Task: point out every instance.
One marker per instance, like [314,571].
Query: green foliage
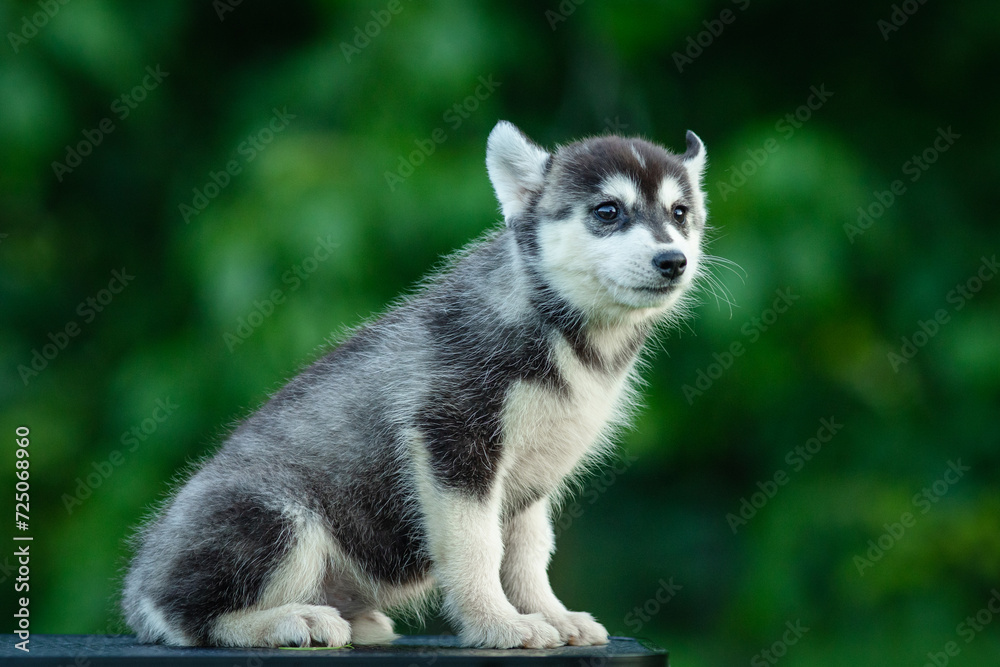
[308,229]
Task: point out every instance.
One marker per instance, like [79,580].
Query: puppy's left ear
[517,168]
[694,157]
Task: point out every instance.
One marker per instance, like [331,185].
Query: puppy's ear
[694,157]
[517,168]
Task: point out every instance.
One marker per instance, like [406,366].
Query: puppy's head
[612,225]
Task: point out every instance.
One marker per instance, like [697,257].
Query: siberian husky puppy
[427,450]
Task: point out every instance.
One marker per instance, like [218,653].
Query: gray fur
[333,452]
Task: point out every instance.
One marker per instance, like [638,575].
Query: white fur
[549,435]
[372,627]
[529,546]
[286,625]
[300,576]
[696,169]
[466,545]
[622,188]
[605,276]
[669,193]
[286,613]
[642,160]
[493,573]
[157,626]
[516,167]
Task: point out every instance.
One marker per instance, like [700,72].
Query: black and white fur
[428,449]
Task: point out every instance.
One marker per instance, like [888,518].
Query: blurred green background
[115,116]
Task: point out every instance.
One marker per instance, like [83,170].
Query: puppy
[427,450]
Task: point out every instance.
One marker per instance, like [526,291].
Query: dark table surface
[411,651]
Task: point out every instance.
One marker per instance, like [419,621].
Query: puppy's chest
[548,430]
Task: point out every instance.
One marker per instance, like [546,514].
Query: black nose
[670,263]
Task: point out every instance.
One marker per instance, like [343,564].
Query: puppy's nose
[670,263]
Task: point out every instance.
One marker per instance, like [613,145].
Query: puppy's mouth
[658,289]
[661,287]
[655,291]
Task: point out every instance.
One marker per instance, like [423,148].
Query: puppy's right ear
[517,168]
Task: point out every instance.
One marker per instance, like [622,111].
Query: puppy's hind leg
[351,593]
[287,625]
[289,611]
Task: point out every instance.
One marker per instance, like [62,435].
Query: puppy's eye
[680,213]
[607,212]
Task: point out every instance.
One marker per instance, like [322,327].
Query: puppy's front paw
[578,628]
[521,631]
